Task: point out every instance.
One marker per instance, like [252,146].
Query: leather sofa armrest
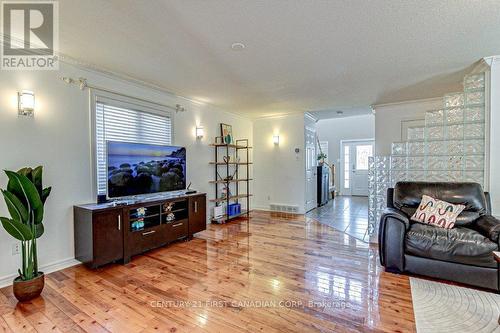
[396,215]
[392,232]
[488,226]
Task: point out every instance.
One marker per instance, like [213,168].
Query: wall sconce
[200,132]
[276,139]
[26,103]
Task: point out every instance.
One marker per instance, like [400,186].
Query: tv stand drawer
[147,239]
[177,229]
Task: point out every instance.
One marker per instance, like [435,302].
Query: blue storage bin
[234,209]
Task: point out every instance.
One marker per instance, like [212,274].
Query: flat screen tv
[135,168]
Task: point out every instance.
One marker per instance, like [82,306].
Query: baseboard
[261,208]
[267,209]
[49,268]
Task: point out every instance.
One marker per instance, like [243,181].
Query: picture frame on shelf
[226,132]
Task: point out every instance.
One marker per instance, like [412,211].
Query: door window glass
[362,154]
[347,168]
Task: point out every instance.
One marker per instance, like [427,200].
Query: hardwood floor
[277,273]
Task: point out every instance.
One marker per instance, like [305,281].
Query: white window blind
[122,123]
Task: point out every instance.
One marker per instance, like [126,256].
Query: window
[362,154]
[347,168]
[119,121]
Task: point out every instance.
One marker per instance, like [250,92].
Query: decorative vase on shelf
[227,139]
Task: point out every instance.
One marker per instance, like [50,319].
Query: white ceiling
[300,55]
[341,112]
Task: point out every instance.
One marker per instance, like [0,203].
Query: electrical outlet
[16,249]
[268,197]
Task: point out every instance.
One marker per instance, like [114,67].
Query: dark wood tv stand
[106,233]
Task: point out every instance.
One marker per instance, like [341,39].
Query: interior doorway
[310,159]
[354,166]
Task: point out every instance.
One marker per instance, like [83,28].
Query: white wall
[388,120]
[279,172]
[348,128]
[59,139]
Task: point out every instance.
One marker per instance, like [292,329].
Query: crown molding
[411,101]
[34,52]
[85,66]
[310,116]
[122,77]
[89,67]
[489,61]
[281,115]
[481,66]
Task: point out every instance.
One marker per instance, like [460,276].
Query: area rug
[441,308]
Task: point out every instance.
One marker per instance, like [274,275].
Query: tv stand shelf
[106,233]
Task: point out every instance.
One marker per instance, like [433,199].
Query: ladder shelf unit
[232,170]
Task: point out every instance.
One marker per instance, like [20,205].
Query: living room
[162,163]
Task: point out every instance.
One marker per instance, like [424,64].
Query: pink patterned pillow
[437,212]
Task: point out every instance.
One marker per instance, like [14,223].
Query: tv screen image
[135,168]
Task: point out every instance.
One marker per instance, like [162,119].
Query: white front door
[311,183]
[355,156]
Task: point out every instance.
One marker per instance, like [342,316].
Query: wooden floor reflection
[275,273]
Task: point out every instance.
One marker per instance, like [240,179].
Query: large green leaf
[16,208]
[16,229]
[45,194]
[22,187]
[39,230]
[36,175]
[26,172]
[38,212]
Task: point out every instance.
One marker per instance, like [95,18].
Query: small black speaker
[102,199]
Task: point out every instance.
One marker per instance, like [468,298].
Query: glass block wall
[449,147]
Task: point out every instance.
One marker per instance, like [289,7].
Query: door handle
[196,206]
[119,222]
[148,233]
[177,225]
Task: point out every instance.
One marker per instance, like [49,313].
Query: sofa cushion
[437,212]
[407,197]
[460,245]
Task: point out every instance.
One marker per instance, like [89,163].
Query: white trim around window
[121,104]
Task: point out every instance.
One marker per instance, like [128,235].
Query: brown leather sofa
[462,254]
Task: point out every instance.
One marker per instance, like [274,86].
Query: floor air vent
[284,208]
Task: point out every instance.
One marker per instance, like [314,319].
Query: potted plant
[321,158]
[25,198]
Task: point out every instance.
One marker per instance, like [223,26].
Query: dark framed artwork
[226,131]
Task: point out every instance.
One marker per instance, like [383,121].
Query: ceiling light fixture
[238,46]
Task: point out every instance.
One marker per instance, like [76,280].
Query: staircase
[450,147]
